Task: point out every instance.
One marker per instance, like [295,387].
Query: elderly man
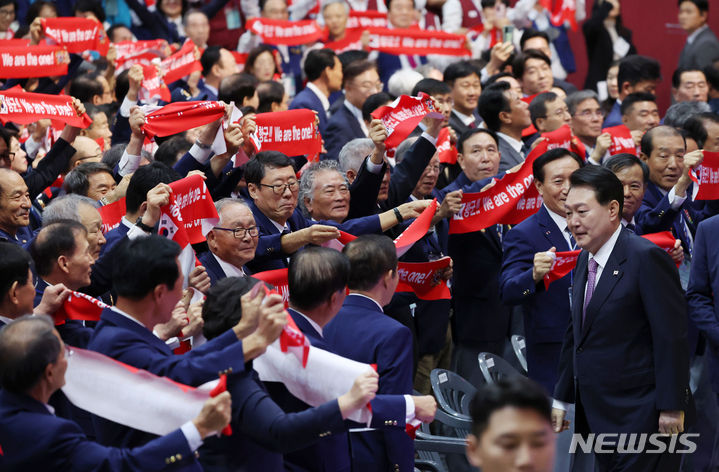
[232,242]
[274,189]
[33,364]
[80,209]
[91,179]
[586,124]
[15,208]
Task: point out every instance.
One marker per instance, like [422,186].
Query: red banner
[196,207]
[81,307]
[504,203]
[33,61]
[153,87]
[567,261]
[352,41]
[366,19]
[278,279]
[563,11]
[708,176]
[423,279]
[183,62]
[414,41]
[156,47]
[289,33]
[446,151]
[23,108]
[180,116]
[416,230]
[13,42]
[292,132]
[77,34]
[112,215]
[622,140]
[403,115]
[563,138]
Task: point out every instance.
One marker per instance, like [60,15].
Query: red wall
[656,33]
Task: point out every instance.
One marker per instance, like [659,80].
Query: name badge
[232,17]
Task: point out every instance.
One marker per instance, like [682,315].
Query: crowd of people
[625,343]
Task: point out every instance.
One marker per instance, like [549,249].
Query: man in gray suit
[505,113]
[702,46]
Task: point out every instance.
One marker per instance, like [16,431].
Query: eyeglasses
[7,12]
[279,189]
[240,233]
[368,85]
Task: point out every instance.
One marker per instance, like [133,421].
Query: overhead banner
[292,132]
[18,106]
[77,34]
[286,32]
[415,41]
[19,62]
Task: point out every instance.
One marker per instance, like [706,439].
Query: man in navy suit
[401,15]
[217,63]
[147,298]
[636,74]
[32,367]
[625,359]
[232,242]
[359,80]
[361,331]
[324,77]
[526,262]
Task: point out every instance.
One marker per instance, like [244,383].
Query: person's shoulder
[709,224]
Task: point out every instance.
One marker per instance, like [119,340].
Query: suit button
[179,457]
[197,454]
[526,292]
[270,250]
[394,423]
[167,460]
[580,349]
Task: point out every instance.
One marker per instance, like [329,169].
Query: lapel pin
[616,272]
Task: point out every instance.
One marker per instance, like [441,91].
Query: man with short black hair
[549,112]
[90,179]
[505,113]
[689,85]
[702,46]
[640,112]
[466,85]
[217,63]
[33,363]
[514,410]
[324,77]
[533,69]
[636,74]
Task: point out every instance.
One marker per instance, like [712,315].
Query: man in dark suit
[636,74]
[324,77]
[702,46]
[359,80]
[401,15]
[15,208]
[147,298]
[217,63]
[527,261]
[232,242]
[464,80]
[505,113]
[33,438]
[361,331]
[634,379]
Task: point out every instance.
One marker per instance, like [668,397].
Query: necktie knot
[631,227]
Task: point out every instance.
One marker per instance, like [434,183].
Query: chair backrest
[453,393]
[495,368]
[520,350]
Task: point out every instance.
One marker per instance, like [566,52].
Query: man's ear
[540,124]
[159,291]
[96,99]
[253,191]
[472,450]
[62,263]
[211,239]
[460,160]
[308,204]
[12,293]
[351,175]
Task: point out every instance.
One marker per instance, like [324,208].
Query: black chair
[520,350]
[453,393]
[495,368]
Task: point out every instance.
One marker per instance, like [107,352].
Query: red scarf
[112,215]
[79,306]
[403,115]
[446,151]
[77,34]
[289,33]
[182,63]
[708,176]
[197,210]
[181,116]
[622,140]
[18,106]
[414,41]
[291,132]
[423,279]
[19,62]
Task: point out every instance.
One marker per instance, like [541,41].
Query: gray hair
[403,147]
[576,98]
[65,207]
[354,152]
[327,3]
[223,202]
[679,113]
[403,81]
[308,180]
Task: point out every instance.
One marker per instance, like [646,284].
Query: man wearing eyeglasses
[232,242]
[586,124]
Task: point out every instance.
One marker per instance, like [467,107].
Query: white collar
[279,227]
[120,312]
[49,408]
[127,222]
[6,320]
[466,119]
[559,220]
[320,95]
[357,113]
[516,145]
[368,298]
[602,255]
[312,322]
[625,222]
[229,269]
[210,88]
[693,36]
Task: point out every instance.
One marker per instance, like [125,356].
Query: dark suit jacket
[113,237]
[508,156]
[127,341]
[213,268]
[702,52]
[546,312]
[361,331]
[703,289]
[308,99]
[342,128]
[34,439]
[614,117]
[458,126]
[629,359]
[388,64]
[52,165]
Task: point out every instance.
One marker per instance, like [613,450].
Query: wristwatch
[398,215]
[143,226]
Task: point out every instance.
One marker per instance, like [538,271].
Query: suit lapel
[611,275]
[551,231]
[110,316]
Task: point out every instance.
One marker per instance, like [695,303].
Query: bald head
[27,346]
[658,132]
[86,150]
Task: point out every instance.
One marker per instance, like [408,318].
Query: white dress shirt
[357,113]
[561,222]
[229,269]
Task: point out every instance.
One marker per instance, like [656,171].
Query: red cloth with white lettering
[403,115]
[181,116]
[195,204]
[423,279]
[446,151]
[183,62]
[18,62]
[77,34]
[416,230]
[563,138]
[622,140]
[365,19]
[289,33]
[23,108]
[708,176]
[79,306]
[112,215]
[153,86]
[292,132]
[562,11]
[415,41]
